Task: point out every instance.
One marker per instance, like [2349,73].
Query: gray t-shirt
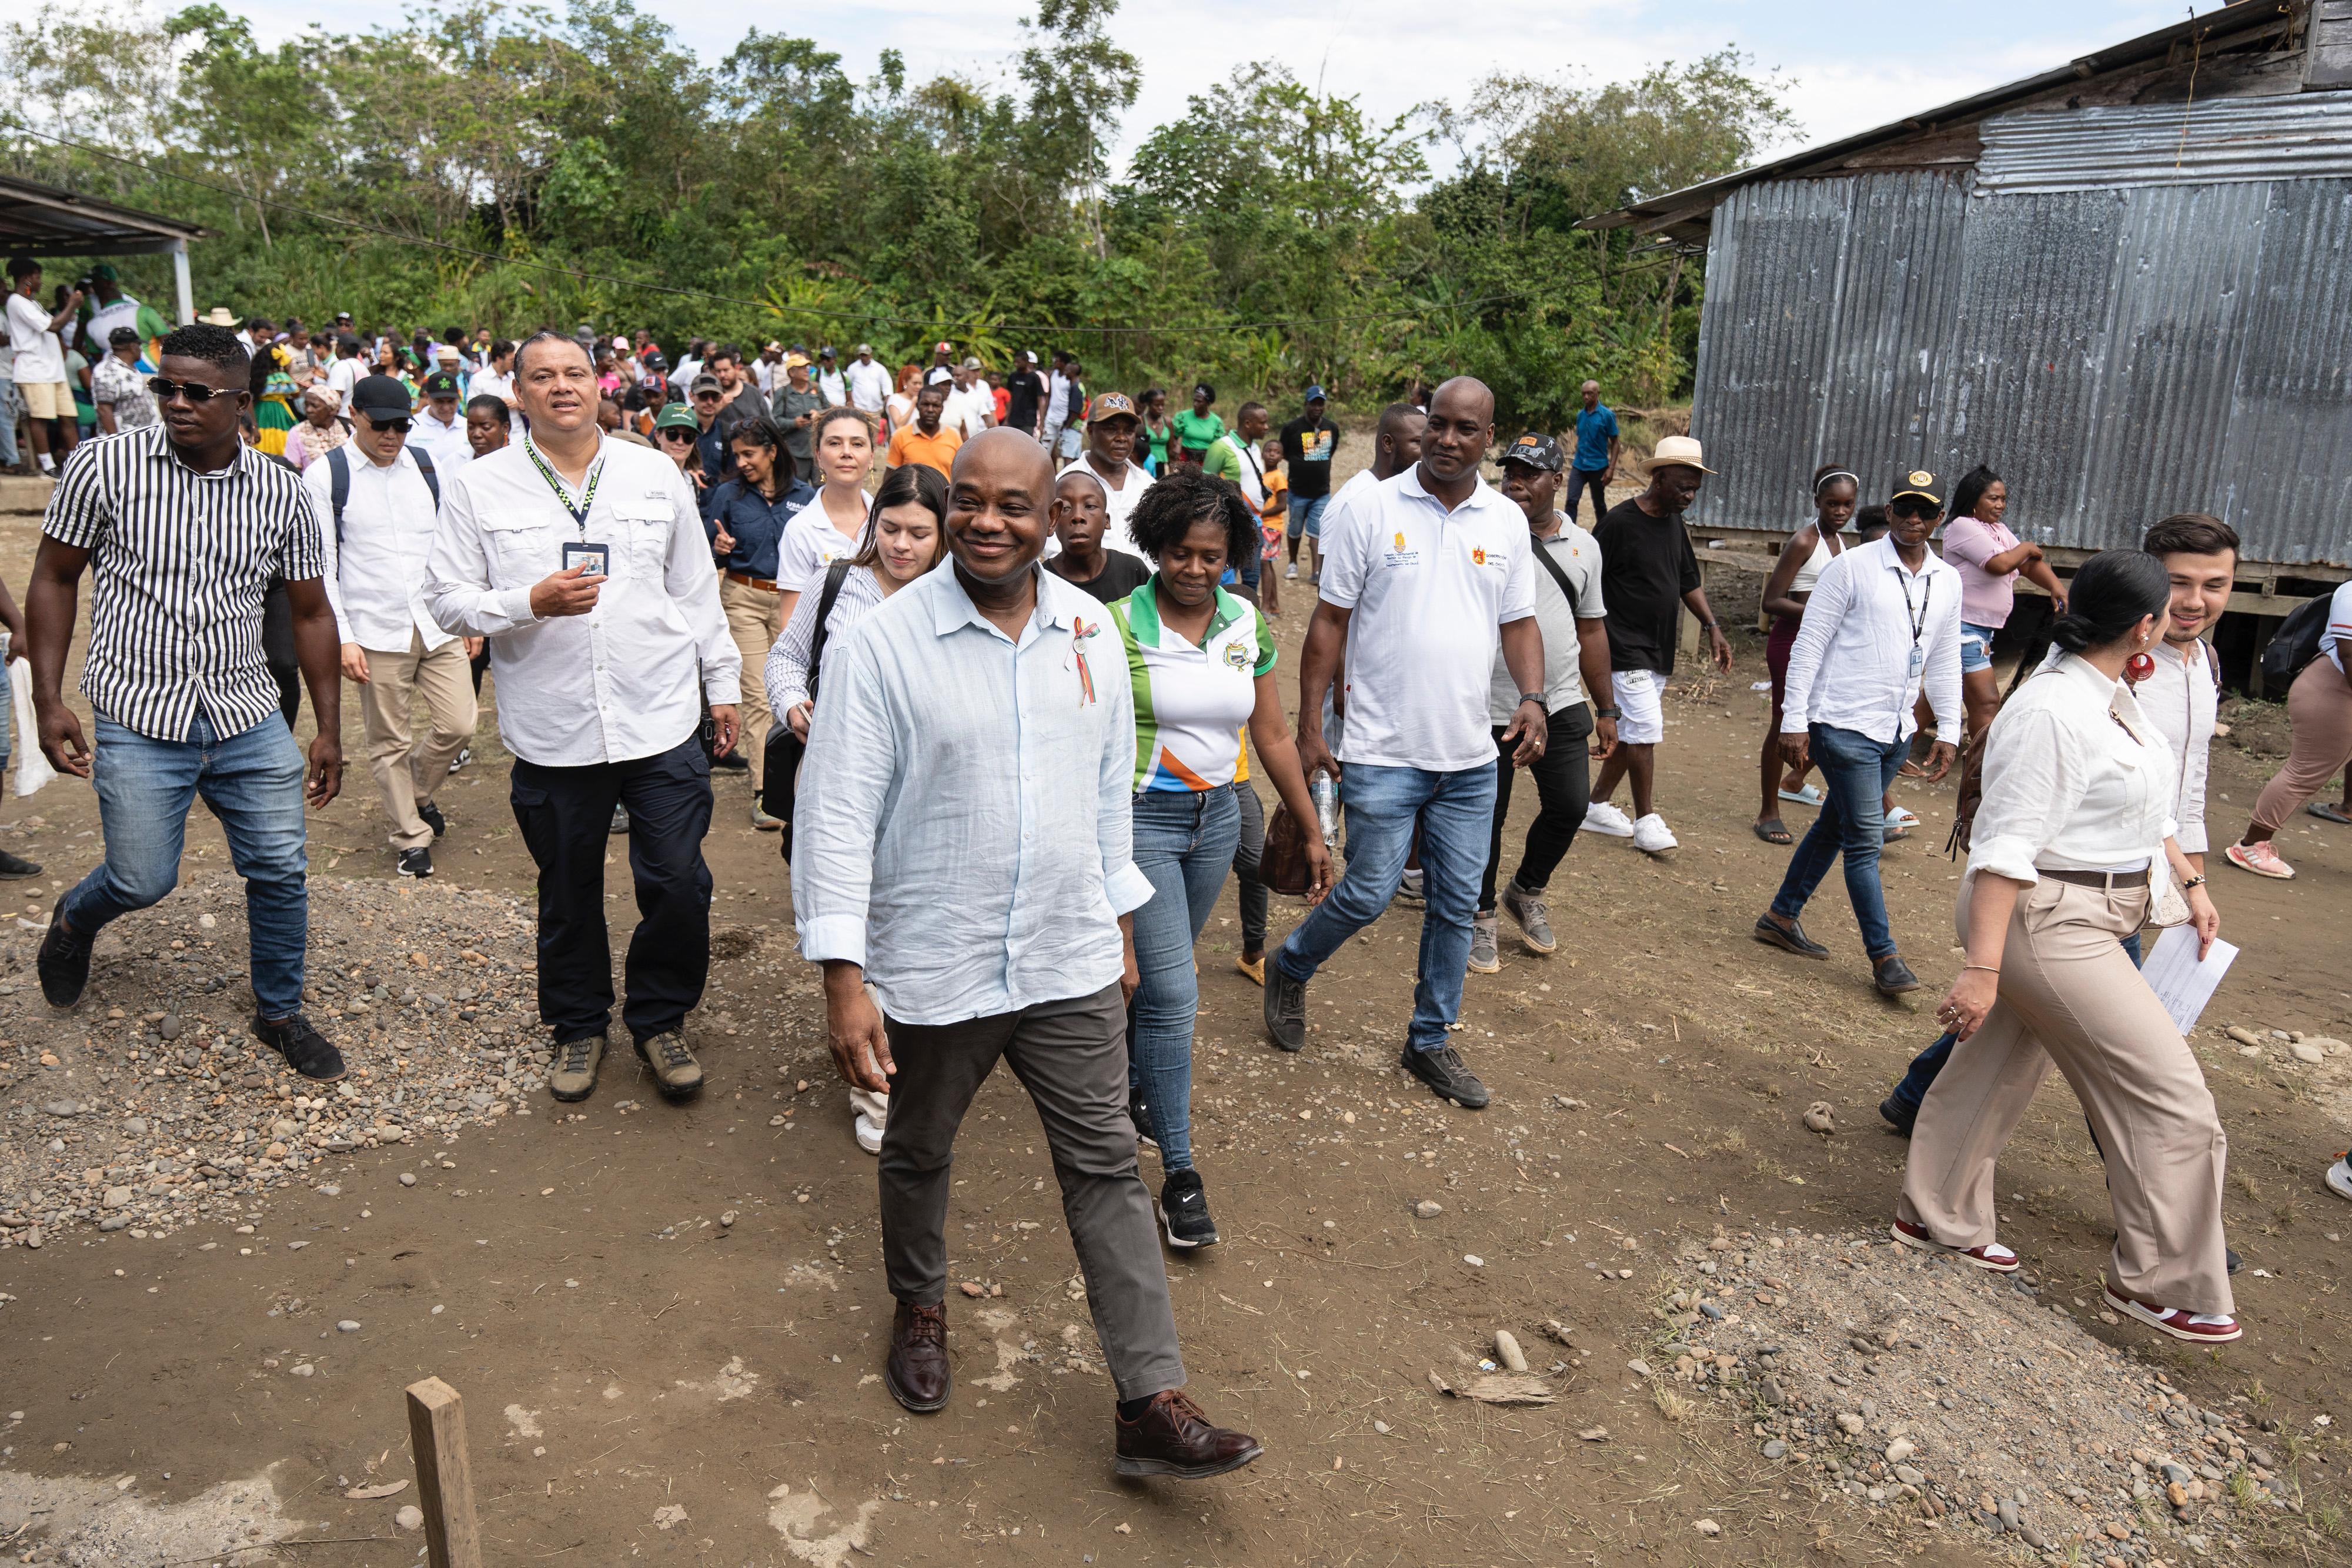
[1576,554]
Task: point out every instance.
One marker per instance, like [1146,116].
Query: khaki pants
[755,619]
[2069,992]
[2319,723]
[407,771]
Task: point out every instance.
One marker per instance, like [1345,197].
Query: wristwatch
[1535,697]
[1606,713]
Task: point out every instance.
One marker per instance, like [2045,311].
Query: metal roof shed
[2126,283]
[46,220]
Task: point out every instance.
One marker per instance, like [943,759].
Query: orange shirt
[909,444]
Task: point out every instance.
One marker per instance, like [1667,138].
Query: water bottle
[1325,794]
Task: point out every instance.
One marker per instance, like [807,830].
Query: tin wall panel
[2289,136]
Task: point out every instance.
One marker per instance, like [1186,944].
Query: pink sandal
[1992,1256]
[2260,859]
[2197,1328]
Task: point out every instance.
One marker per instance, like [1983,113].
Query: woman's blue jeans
[1184,845]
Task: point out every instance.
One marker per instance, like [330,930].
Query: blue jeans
[1855,772]
[1928,1063]
[253,782]
[7,422]
[1183,846]
[1456,813]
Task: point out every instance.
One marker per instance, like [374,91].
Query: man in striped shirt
[185,527]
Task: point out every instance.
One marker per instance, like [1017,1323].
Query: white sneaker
[1601,817]
[873,1113]
[1651,837]
[2339,1177]
[1292,575]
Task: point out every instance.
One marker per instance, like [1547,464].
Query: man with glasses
[375,522]
[176,677]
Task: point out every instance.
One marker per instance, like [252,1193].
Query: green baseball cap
[678,416]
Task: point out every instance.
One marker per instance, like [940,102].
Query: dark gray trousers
[1072,1058]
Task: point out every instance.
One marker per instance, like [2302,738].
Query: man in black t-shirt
[1024,408]
[1309,445]
[1649,574]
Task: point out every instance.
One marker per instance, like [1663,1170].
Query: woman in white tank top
[1810,548]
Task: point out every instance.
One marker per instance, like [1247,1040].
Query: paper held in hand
[2182,983]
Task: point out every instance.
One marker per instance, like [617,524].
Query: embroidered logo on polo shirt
[1236,656]
[1477,555]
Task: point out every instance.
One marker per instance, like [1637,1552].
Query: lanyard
[1918,618]
[555,483]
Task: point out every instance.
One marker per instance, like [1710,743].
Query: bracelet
[2192,882]
[1707,625]
[1988,969]
[1607,713]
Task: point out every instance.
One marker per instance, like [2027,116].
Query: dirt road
[667,1322]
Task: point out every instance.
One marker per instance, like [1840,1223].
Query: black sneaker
[1898,1116]
[465,755]
[63,960]
[12,868]
[1285,1009]
[620,820]
[1447,1078]
[1184,1211]
[1141,1115]
[306,1051]
[430,814]
[416,862]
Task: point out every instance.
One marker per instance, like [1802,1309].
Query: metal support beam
[181,285]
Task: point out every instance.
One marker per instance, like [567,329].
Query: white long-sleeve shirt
[376,570]
[963,827]
[446,445]
[786,672]
[1851,666]
[2181,700]
[2075,778]
[620,682]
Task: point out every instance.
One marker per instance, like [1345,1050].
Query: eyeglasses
[195,391]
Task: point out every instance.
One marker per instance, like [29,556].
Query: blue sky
[1855,63]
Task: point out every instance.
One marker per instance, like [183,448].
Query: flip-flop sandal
[1914,770]
[1774,830]
[2327,813]
[1902,817]
[1811,795]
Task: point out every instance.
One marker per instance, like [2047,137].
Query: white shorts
[1641,720]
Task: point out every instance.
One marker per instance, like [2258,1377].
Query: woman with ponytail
[2073,848]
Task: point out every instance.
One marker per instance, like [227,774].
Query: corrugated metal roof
[2116,354]
[2306,136]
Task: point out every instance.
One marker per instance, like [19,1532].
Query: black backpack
[2296,644]
[779,759]
[339,481]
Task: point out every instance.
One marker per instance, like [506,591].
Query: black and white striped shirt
[180,562]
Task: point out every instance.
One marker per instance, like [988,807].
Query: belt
[746,578]
[2102,880]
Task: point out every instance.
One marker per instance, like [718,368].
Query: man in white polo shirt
[1431,575]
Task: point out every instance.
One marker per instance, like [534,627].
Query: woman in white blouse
[2071,848]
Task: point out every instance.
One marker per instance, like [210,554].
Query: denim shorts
[1976,647]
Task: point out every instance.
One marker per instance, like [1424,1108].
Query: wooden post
[445,1477]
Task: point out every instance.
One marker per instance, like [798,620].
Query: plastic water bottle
[1326,793]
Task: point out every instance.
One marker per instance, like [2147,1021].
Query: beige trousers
[407,771]
[2319,724]
[2068,992]
[755,619]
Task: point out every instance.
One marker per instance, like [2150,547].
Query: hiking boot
[574,1076]
[1446,1076]
[675,1073]
[15,868]
[416,862]
[916,1370]
[64,961]
[1483,959]
[1173,1437]
[430,815]
[1285,1008]
[1533,920]
[306,1051]
[1184,1211]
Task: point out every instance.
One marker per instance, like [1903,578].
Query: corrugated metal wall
[2287,135]
[2117,353]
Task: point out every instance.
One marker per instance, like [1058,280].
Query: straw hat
[1678,451]
[218,316]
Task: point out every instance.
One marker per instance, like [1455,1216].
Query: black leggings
[1251,892]
[1564,785]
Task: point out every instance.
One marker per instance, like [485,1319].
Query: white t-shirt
[763,376]
[2338,630]
[342,376]
[968,409]
[40,358]
[811,543]
[488,382]
[1118,504]
[1252,469]
[869,384]
[1428,592]
[835,390]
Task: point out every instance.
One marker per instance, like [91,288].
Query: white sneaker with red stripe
[1992,1257]
[2197,1328]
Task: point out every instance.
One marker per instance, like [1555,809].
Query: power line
[768,305]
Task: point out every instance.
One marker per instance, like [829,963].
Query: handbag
[1282,865]
[779,759]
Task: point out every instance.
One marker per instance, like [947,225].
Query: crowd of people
[994,651]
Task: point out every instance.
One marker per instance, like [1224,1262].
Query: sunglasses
[195,391]
[676,436]
[397,426]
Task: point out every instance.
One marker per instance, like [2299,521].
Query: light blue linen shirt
[962,825]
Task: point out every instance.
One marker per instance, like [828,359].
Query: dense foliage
[1271,236]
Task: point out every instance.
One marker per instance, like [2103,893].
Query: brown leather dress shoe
[1172,1438]
[916,1371]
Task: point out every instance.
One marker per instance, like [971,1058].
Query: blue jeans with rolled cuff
[1855,772]
[1184,845]
[1925,1067]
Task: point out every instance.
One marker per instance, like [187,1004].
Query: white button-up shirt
[962,827]
[1429,591]
[618,682]
[375,568]
[1849,668]
[2075,778]
[2180,698]
[446,445]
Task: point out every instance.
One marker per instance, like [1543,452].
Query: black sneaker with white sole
[1184,1211]
[63,962]
[430,815]
[1285,1008]
[416,862]
[1446,1076]
[306,1051]
[1141,1115]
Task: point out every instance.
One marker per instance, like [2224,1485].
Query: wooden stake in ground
[445,1477]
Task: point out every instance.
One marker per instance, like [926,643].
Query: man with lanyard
[584,563]
[1882,623]
[868,384]
[1111,445]
[1596,452]
[1428,579]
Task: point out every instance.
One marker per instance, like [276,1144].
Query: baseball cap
[104,273]
[440,383]
[1536,451]
[677,416]
[707,384]
[1916,482]
[864,348]
[795,361]
[1112,405]
[971,362]
[943,347]
[825,352]
[381,398]
[120,336]
[1679,451]
[1315,394]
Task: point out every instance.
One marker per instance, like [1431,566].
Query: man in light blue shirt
[1595,462]
[962,841]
